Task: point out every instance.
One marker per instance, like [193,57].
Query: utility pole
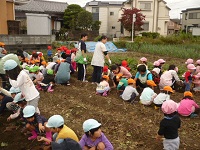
[134,19]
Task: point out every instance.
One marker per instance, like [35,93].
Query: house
[173,26]
[40,15]
[108,13]
[190,18]
[7,15]
[156,14]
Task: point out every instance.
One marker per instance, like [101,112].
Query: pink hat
[189,61]
[161,61]
[156,63]
[169,107]
[143,59]
[198,62]
[191,67]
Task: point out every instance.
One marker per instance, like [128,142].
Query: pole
[134,19]
[132,30]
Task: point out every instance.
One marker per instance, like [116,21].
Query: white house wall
[38,24]
[103,17]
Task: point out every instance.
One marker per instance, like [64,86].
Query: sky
[175,5]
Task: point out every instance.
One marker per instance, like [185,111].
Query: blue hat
[14,90]
[55,121]
[18,98]
[28,111]
[10,64]
[90,124]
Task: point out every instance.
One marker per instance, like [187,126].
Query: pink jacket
[185,107]
[125,72]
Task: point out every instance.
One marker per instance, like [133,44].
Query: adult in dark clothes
[3,101]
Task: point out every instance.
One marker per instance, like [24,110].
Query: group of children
[34,73]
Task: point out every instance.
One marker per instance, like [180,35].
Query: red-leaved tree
[127,19]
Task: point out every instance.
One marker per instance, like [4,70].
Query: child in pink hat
[198,66]
[169,126]
[188,76]
[162,62]
[189,61]
[156,72]
[196,82]
[143,61]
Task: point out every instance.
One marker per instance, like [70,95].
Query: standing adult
[98,59]
[81,58]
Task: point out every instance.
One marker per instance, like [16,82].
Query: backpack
[156,77]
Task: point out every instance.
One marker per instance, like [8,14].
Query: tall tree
[71,16]
[127,19]
[96,25]
[85,20]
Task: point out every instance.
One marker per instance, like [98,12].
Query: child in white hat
[169,126]
[93,137]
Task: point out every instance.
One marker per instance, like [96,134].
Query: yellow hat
[131,81]
[168,88]
[32,61]
[119,75]
[188,93]
[105,77]
[151,83]
[44,63]
[37,61]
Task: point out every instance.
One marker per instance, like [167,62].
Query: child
[48,81]
[3,101]
[188,76]
[49,53]
[38,77]
[19,78]
[198,66]
[60,130]
[162,62]
[187,106]
[73,55]
[162,96]
[93,137]
[122,82]
[142,76]
[156,68]
[169,126]
[103,87]
[130,91]
[35,123]
[196,82]
[125,65]
[148,94]
[120,69]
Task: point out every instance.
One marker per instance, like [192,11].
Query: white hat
[10,64]
[90,124]
[29,111]
[55,121]
[14,90]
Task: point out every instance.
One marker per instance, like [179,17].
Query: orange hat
[32,61]
[105,77]
[168,88]
[131,81]
[58,61]
[26,60]
[188,93]
[151,83]
[44,63]
[119,75]
[2,44]
[36,61]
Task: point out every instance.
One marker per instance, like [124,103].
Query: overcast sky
[175,5]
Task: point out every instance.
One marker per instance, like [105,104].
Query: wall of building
[10,11]
[103,17]
[3,17]
[38,24]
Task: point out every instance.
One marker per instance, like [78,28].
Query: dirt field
[127,126]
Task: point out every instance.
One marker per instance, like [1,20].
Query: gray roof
[197,8]
[42,6]
[176,20]
[104,3]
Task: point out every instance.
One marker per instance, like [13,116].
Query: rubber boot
[39,87]
[34,135]
[49,137]
[50,89]
[105,93]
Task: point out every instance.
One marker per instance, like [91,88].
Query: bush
[120,44]
[150,34]
[96,39]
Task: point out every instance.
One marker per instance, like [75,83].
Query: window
[95,10]
[145,26]
[145,5]
[113,27]
[194,15]
[111,13]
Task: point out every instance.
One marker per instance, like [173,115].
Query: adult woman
[98,59]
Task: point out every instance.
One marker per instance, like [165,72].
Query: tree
[127,19]
[71,16]
[85,20]
[96,25]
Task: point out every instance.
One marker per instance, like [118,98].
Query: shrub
[120,44]
[150,34]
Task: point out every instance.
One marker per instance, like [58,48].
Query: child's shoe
[50,89]
[105,93]
[39,87]
[34,135]
[193,115]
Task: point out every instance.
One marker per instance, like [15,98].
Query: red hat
[68,52]
[105,69]
[73,50]
[40,54]
[124,63]
[59,49]
[49,47]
